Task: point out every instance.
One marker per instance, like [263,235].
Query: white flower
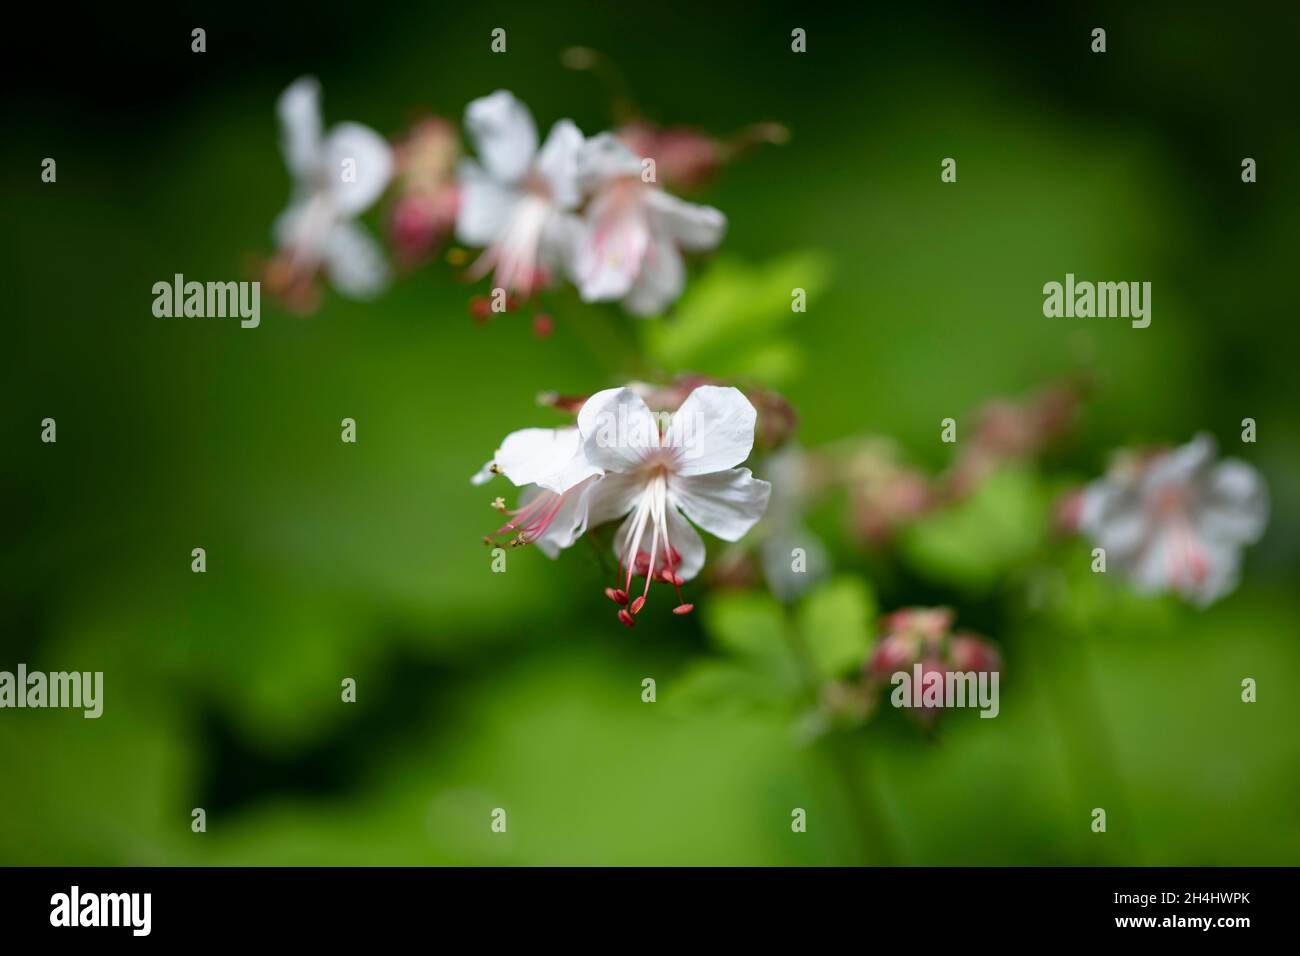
[1177,520]
[629,249]
[660,477]
[549,465]
[336,178]
[784,529]
[517,201]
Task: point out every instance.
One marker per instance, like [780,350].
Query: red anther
[626,618]
[480,307]
[671,577]
[684,609]
[638,604]
[543,325]
[617,595]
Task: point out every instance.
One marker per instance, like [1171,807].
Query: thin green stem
[845,759]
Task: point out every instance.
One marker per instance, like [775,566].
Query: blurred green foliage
[480,690]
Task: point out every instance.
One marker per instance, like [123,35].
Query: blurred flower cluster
[640,469]
[590,211]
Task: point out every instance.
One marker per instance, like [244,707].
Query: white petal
[725,503]
[540,455]
[486,205]
[484,474]
[688,544]
[785,582]
[574,472]
[612,247]
[1180,465]
[303,228]
[1093,502]
[1235,508]
[1124,532]
[569,522]
[612,497]
[504,135]
[1222,579]
[661,281]
[557,163]
[1115,518]
[300,126]
[1175,560]
[354,262]
[359,163]
[1152,570]
[605,157]
[617,429]
[559,243]
[696,228]
[712,431]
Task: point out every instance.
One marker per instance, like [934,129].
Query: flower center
[619,226]
[514,255]
[1172,500]
[660,560]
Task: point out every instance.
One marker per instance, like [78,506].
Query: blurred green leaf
[748,623]
[731,319]
[835,620]
[976,541]
[726,687]
[751,625]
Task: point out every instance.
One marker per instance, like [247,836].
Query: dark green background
[519,690]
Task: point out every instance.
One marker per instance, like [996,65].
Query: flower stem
[845,759]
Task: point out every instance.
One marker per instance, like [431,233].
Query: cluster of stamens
[659,563]
[527,523]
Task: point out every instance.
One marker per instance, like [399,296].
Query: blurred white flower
[659,478]
[784,529]
[337,176]
[1177,520]
[630,247]
[517,200]
[548,464]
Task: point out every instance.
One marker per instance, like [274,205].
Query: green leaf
[725,686]
[835,620]
[751,626]
[976,541]
[747,623]
[731,320]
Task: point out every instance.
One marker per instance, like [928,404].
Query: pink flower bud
[966,652]
[928,623]
[893,653]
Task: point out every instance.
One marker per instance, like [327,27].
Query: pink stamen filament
[652,509]
[532,520]
[514,254]
[1191,556]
